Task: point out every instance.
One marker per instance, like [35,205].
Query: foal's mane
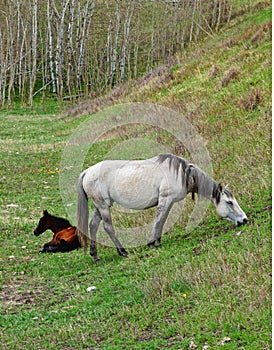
[60,221]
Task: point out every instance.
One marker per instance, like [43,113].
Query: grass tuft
[231,74]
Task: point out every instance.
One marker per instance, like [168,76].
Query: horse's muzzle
[36,233]
[244,222]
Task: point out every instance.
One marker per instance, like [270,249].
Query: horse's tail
[82,213]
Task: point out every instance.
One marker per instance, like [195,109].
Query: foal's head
[227,206]
[50,222]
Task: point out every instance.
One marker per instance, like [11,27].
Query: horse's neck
[206,184]
[58,226]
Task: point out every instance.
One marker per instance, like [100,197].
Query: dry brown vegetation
[230,75]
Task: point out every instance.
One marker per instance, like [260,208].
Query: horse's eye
[229,203]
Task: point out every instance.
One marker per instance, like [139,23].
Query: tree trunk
[33,54]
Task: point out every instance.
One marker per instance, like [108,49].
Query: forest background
[75,49]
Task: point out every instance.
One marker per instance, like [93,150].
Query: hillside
[207,289]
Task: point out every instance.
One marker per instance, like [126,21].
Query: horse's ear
[220,188]
[45,212]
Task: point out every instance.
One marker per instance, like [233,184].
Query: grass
[208,288]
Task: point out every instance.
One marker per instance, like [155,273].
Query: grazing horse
[140,184]
[64,237]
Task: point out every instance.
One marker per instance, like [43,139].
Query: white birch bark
[70,46]
[33,55]
[83,36]
[127,23]
[50,47]
[192,21]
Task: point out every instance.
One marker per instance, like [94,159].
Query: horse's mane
[174,161]
[196,180]
[64,221]
[204,185]
[61,221]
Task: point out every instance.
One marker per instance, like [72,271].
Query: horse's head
[43,224]
[227,206]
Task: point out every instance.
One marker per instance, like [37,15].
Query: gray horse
[141,184]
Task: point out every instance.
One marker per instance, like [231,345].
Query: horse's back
[135,184]
[67,234]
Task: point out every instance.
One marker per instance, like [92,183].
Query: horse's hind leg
[163,210]
[106,216]
[94,224]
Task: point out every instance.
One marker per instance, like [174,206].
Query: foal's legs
[51,248]
[163,210]
[94,224]
[106,216]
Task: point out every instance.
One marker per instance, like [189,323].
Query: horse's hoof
[96,260]
[157,243]
[152,245]
[122,252]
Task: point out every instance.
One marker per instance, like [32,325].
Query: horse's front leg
[106,216]
[47,248]
[163,210]
[94,224]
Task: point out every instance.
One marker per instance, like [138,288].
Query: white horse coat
[140,184]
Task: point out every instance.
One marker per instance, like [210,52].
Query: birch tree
[86,17]
[126,35]
[70,46]
[50,47]
[73,48]
[33,52]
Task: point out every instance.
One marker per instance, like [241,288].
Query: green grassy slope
[210,288]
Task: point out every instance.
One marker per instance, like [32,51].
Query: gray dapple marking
[140,184]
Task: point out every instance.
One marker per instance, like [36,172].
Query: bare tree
[50,47]
[86,17]
[70,46]
[33,52]
[81,47]
[126,33]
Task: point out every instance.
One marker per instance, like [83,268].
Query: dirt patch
[16,294]
[25,293]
